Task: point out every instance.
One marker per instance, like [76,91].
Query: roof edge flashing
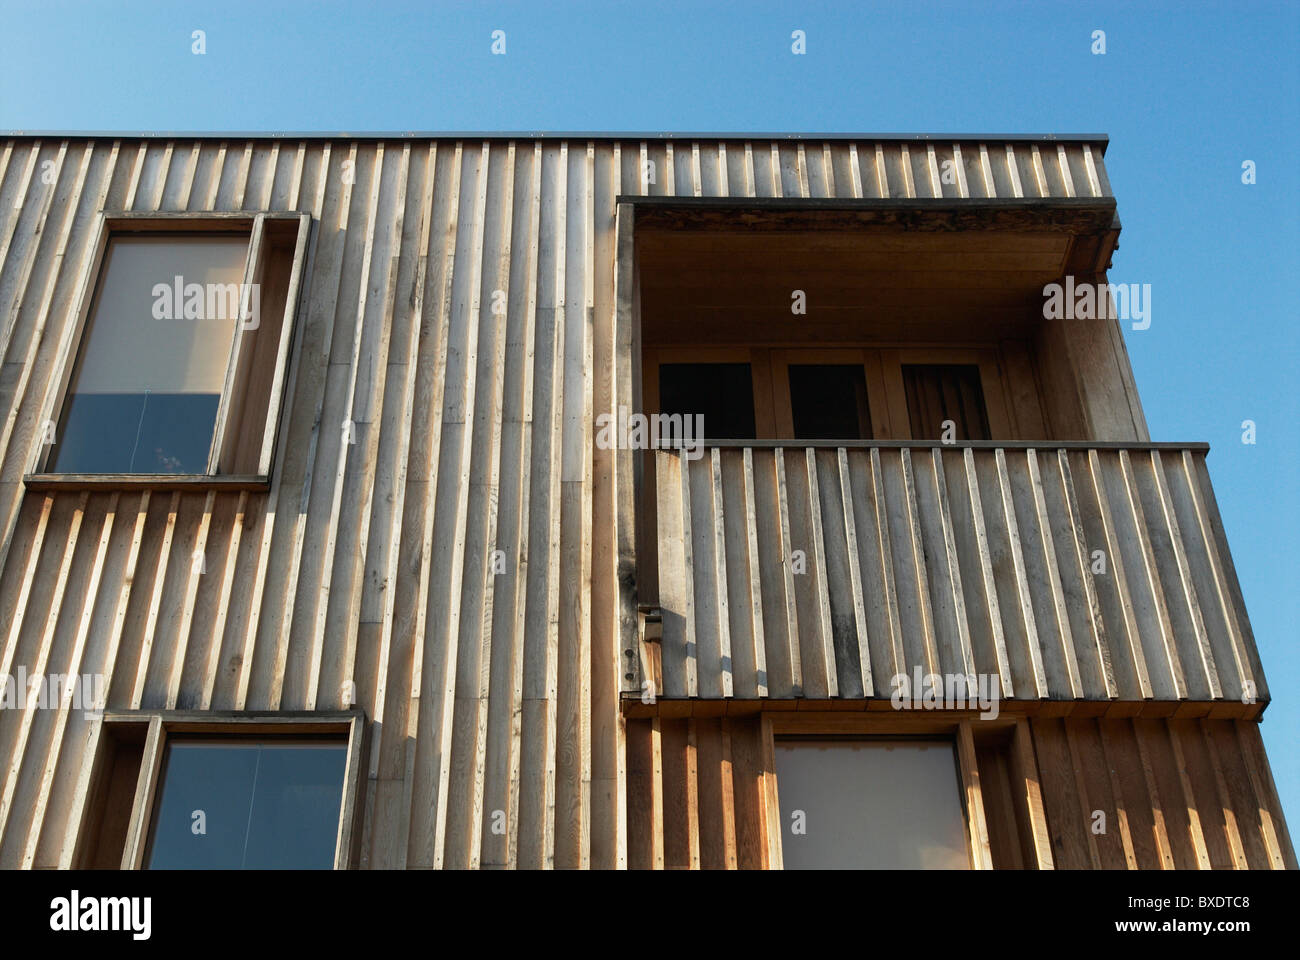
[1089,138]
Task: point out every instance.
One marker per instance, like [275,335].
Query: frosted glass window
[144,395]
[261,805]
[870,804]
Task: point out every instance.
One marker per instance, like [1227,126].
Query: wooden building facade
[538,649]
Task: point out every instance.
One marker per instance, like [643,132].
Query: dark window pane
[99,433]
[216,779]
[723,393]
[295,818]
[829,401]
[136,433]
[176,433]
[945,391]
[871,804]
[265,805]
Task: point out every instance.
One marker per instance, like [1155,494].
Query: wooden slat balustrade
[1071,572]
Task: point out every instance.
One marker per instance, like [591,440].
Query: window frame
[901,740]
[160,724]
[760,374]
[882,365]
[992,383]
[955,726]
[111,224]
[866,358]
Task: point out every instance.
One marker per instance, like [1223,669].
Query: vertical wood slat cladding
[1175,794]
[365,569]
[977,560]
[1183,794]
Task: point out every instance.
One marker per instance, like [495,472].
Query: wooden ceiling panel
[736,287]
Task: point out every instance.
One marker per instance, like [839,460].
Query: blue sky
[1186,92]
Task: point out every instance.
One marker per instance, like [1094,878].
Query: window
[145,393]
[945,391]
[722,393]
[870,804]
[178,358]
[263,804]
[829,401]
[177,790]
[826,394]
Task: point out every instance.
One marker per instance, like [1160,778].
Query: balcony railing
[1070,571]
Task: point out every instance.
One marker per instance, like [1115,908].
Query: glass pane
[829,401]
[870,804]
[723,393]
[295,816]
[152,364]
[264,805]
[945,391]
[216,780]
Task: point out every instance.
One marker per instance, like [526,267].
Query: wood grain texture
[973,561]
[363,576]
[1079,794]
